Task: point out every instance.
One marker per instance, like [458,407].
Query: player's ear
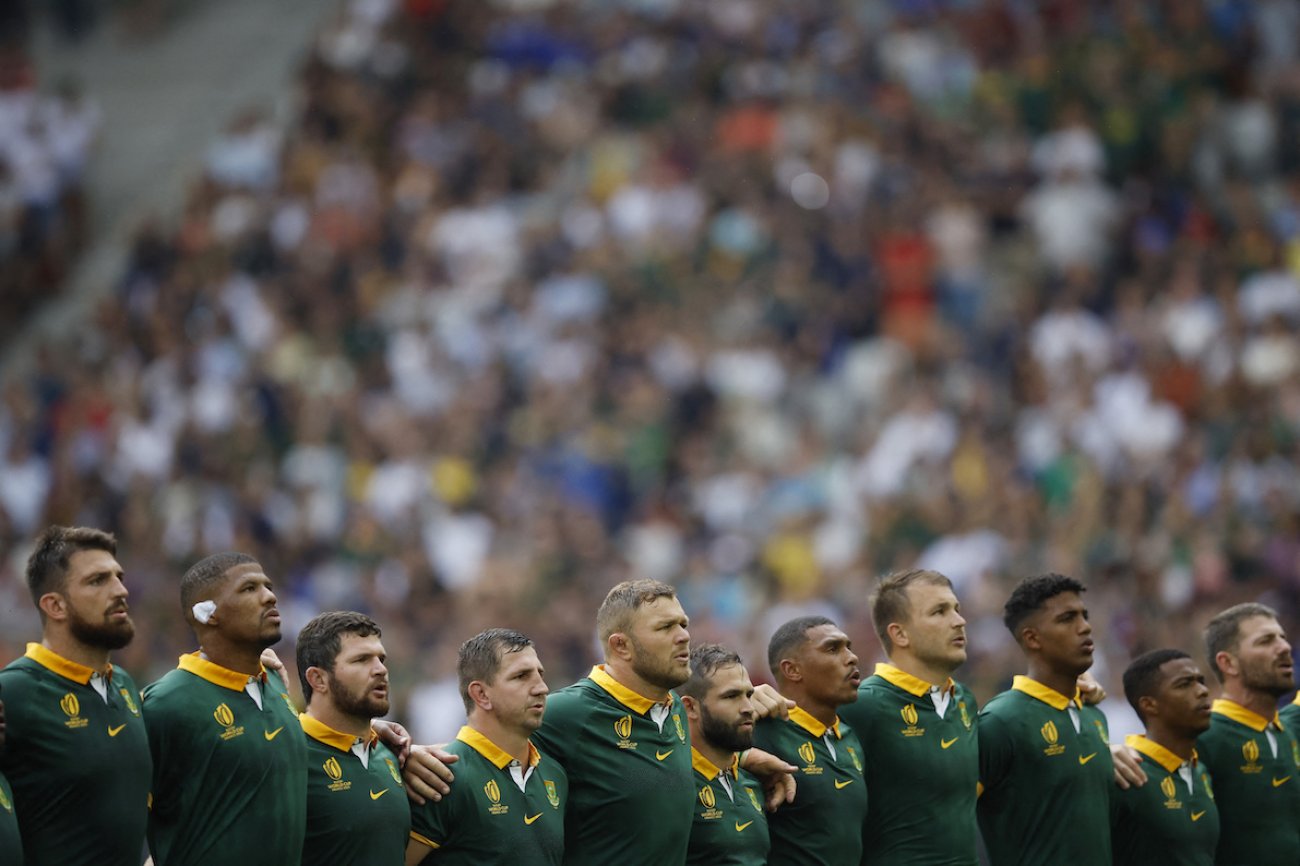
[54,606]
[1227,663]
[1029,638]
[791,671]
[619,646]
[479,695]
[317,680]
[1148,707]
[692,708]
[897,634]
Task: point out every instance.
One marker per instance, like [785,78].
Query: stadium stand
[763,299]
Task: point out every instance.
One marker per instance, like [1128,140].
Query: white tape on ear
[204,610]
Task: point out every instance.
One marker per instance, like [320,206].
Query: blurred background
[458,312]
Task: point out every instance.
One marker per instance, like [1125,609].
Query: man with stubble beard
[621,736]
[228,753]
[1252,756]
[357,811]
[77,754]
[730,827]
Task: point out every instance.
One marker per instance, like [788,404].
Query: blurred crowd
[47,133]
[761,298]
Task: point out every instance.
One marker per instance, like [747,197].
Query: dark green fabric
[728,830]
[363,817]
[1150,826]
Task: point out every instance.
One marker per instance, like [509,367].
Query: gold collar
[914,686]
[318,730]
[1249,718]
[1157,752]
[490,750]
[1047,695]
[803,719]
[638,704]
[216,674]
[66,668]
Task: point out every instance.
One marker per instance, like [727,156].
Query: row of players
[661,755]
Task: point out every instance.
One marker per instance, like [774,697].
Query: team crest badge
[965,715]
[288,702]
[1295,753]
[853,756]
[753,799]
[677,722]
[1101,730]
[4,802]
[129,701]
[392,770]
[1205,780]
[552,794]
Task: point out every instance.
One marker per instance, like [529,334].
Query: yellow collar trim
[215,673]
[1157,752]
[66,668]
[912,685]
[625,696]
[1047,695]
[490,750]
[708,770]
[318,730]
[1238,713]
[803,719]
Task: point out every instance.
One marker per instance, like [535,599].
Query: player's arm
[996,752]
[1128,767]
[432,824]
[776,775]
[427,773]
[769,703]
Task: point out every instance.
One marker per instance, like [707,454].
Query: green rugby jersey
[921,769]
[1257,792]
[1165,821]
[488,819]
[11,845]
[730,826]
[1046,787]
[357,814]
[1290,715]
[823,826]
[228,777]
[632,790]
[77,761]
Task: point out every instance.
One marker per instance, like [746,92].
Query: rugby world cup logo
[806,752]
[70,705]
[909,714]
[333,769]
[223,715]
[1167,787]
[1250,751]
[493,791]
[623,727]
[707,798]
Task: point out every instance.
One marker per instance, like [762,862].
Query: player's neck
[1181,745]
[1260,703]
[240,658]
[628,679]
[1062,682]
[820,710]
[719,757]
[912,666]
[64,644]
[323,711]
[512,741]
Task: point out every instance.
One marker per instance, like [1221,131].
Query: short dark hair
[47,567]
[890,603]
[1142,677]
[205,574]
[1223,633]
[1031,594]
[793,634]
[706,661]
[320,641]
[480,657]
[615,614]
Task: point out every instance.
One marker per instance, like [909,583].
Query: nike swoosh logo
[113,732]
[740,828]
[1083,760]
[529,821]
[271,735]
[375,796]
[844,784]
[1277,783]
[1196,816]
[661,755]
[943,744]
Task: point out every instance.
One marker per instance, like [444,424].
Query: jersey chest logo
[809,756]
[911,717]
[1051,736]
[493,792]
[853,756]
[392,771]
[334,770]
[709,802]
[623,728]
[4,802]
[72,709]
[129,701]
[225,717]
[1170,789]
[1250,751]
[677,723]
[965,714]
[552,793]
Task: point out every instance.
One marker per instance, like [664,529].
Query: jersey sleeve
[436,822]
[995,749]
[565,715]
[161,728]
